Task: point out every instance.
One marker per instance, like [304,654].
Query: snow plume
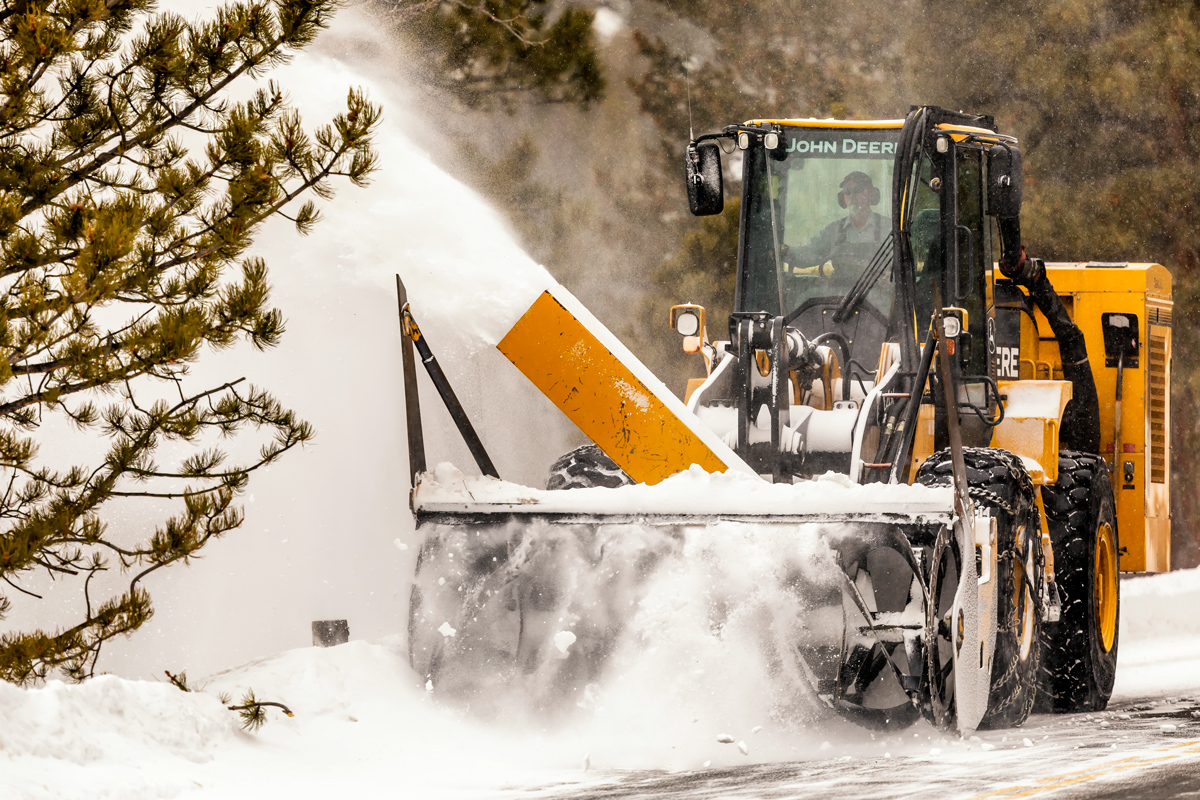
[643,643]
[712,645]
[321,525]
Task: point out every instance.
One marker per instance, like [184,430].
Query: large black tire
[997,479]
[586,467]
[1079,652]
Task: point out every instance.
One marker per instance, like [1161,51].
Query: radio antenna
[688,81]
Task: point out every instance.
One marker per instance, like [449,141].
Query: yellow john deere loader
[998,429]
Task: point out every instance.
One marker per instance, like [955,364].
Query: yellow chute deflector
[610,395]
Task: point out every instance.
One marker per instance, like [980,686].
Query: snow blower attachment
[946,554]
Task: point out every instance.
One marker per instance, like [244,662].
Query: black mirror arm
[1010,244]
[726,134]
[731,132]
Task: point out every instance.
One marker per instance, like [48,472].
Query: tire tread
[998,479]
[1068,681]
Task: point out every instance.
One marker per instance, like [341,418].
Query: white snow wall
[322,526]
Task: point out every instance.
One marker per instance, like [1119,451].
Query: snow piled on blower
[692,492]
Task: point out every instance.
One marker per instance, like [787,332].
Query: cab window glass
[925,235]
[817,218]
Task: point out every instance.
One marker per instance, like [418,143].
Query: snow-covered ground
[365,727]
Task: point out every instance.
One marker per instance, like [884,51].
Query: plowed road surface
[1133,750]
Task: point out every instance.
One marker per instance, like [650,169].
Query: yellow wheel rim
[1105,584]
[1022,598]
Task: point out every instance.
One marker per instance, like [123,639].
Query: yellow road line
[1104,770]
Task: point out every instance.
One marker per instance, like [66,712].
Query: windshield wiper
[880,263]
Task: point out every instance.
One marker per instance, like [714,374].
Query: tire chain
[586,467]
[936,471]
[1003,465]
[1005,471]
[1063,503]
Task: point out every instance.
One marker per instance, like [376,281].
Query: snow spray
[322,526]
[648,644]
[697,647]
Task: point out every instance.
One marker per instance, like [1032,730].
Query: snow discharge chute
[608,393]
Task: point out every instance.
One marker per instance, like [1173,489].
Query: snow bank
[1160,606]
[110,718]
[1160,635]
[364,727]
[107,738]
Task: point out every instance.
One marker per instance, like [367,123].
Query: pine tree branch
[41,66]
[259,703]
[507,24]
[249,64]
[404,10]
[101,206]
[18,588]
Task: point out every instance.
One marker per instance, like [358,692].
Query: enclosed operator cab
[818,247]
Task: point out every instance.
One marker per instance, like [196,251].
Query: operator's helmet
[856,182]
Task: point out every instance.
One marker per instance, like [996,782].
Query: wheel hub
[1023,570]
[1105,584]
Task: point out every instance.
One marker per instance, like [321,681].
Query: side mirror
[705,187]
[1004,181]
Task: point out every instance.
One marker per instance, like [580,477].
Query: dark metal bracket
[416,439]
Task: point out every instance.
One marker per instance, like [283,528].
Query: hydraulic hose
[844,355]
